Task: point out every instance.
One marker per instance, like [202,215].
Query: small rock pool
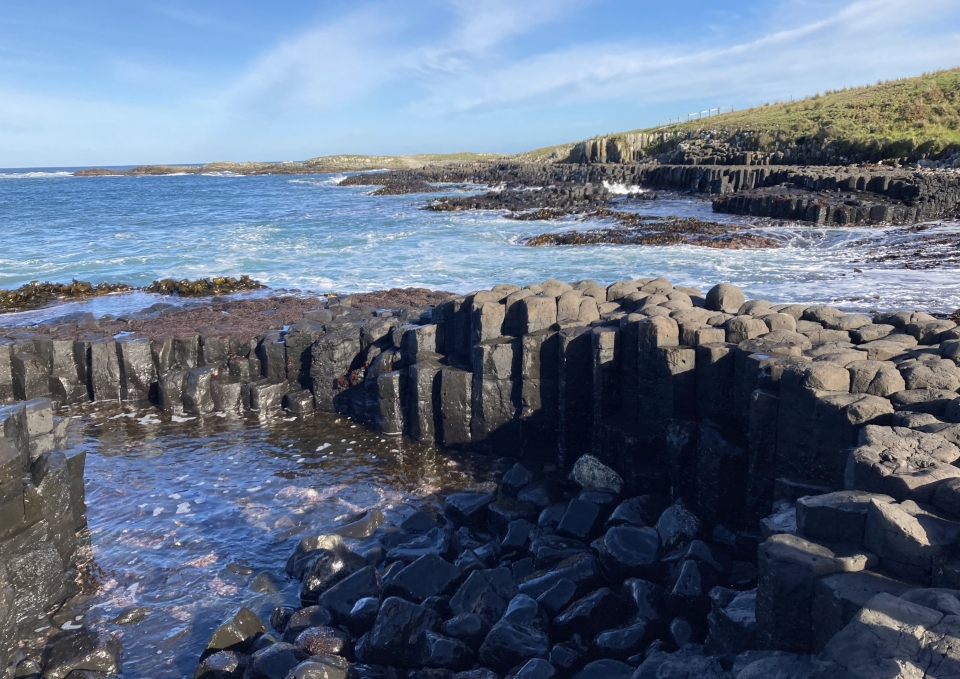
[190,518]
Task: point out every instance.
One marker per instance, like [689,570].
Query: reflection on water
[185,515]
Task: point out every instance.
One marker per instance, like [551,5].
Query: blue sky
[110,82]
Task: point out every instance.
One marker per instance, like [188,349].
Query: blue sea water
[305,232]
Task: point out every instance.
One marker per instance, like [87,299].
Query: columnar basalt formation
[703,480]
[41,503]
[831,195]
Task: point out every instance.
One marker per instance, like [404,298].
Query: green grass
[909,117]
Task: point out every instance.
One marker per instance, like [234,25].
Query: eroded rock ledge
[703,483]
[829,195]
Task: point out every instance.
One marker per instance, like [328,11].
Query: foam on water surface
[307,233]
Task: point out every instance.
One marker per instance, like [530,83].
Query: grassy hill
[912,118]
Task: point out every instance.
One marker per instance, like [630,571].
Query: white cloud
[859,40]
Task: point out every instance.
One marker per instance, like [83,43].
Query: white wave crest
[328,181]
[623,189]
[33,175]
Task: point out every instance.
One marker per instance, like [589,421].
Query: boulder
[397,631]
[589,473]
[629,551]
[518,637]
[275,661]
[486,593]
[236,634]
[428,576]
[91,650]
[726,298]
[441,652]
[341,598]
[323,641]
[590,615]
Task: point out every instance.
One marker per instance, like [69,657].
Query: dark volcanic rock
[628,551]
[516,478]
[428,576]
[517,533]
[468,508]
[689,595]
[222,665]
[677,526]
[324,667]
[580,569]
[538,668]
[605,669]
[552,549]
[580,520]
[419,523]
[504,511]
[323,641]
[97,651]
[362,616]
[639,511]
[469,628]
[591,474]
[486,593]
[443,652]
[645,598]
[311,616]
[362,526]
[397,631]
[516,638]
[621,643]
[236,634]
[568,657]
[275,662]
[557,597]
[343,596]
[591,614]
[329,568]
[435,541]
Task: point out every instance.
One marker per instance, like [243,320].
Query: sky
[120,82]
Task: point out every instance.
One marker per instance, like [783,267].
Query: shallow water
[305,232]
[184,513]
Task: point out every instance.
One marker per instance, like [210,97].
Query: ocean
[305,232]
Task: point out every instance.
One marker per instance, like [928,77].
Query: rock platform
[827,195]
[703,485]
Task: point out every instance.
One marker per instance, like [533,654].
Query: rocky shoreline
[36,295]
[703,485]
[635,229]
[827,195]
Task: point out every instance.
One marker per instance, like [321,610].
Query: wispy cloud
[817,50]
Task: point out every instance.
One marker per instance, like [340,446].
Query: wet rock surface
[38,294]
[635,229]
